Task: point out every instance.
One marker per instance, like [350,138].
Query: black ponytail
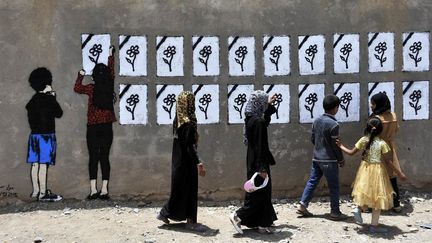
[373,128]
[103,94]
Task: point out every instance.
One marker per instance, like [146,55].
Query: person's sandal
[265,230]
[304,213]
[93,196]
[236,222]
[397,209]
[104,196]
[162,218]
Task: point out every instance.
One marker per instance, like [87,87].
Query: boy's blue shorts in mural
[42,148]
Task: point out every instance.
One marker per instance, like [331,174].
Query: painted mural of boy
[42,109]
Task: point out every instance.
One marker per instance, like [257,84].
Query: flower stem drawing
[415,49]
[311,100]
[276,52]
[169,102]
[132,52]
[241,53]
[240,101]
[132,101]
[205,102]
[415,97]
[95,52]
[311,51]
[169,53]
[345,50]
[277,103]
[345,102]
[380,49]
[205,53]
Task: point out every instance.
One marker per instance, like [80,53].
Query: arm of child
[347,150]
[389,162]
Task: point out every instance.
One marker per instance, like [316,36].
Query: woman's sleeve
[268,113]
[190,140]
[80,88]
[111,66]
[261,145]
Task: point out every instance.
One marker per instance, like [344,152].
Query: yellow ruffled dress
[372,186]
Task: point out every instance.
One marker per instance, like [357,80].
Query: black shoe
[104,196]
[50,197]
[93,196]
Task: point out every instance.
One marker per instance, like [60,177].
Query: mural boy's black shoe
[93,196]
[50,197]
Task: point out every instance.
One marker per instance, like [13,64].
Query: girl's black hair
[382,103]
[39,78]
[373,128]
[103,94]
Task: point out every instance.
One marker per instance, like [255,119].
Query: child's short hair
[330,102]
[39,78]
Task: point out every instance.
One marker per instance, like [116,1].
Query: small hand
[338,142]
[403,176]
[342,163]
[263,174]
[271,99]
[82,72]
[47,89]
[111,50]
[201,170]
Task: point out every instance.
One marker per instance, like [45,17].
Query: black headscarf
[103,95]
[382,103]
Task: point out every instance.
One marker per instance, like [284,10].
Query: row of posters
[134,101]
[133,54]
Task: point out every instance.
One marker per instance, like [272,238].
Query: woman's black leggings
[99,140]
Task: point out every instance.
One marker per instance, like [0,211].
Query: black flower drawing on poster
[241,53]
[415,49]
[277,103]
[311,51]
[276,52]
[345,51]
[380,49]
[345,102]
[205,101]
[132,101]
[132,52]
[240,101]
[95,52]
[311,100]
[415,98]
[169,53]
[205,53]
[169,101]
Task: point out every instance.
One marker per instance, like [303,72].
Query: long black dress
[182,203]
[258,209]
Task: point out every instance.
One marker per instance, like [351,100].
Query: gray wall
[47,33]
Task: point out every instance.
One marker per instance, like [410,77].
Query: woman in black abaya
[186,165]
[257,211]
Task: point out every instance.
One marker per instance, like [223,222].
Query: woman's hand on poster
[201,170]
[82,72]
[111,50]
[271,99]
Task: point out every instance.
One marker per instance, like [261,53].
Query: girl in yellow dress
[372,187]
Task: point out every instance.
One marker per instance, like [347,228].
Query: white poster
[276,55]
[166,100]
[133,104]
[169,56]
[416,100]
[205,55]
[415,51]
[241,56]
[346,53]
[349,95]
[311,54]
[282,102]
[237,99]
[133,55]
[381,87]
[311,97]
[381,52]
[95,49]
[206,103]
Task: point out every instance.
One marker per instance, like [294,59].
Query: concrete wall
[47,33]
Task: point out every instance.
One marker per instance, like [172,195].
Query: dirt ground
[134,221]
